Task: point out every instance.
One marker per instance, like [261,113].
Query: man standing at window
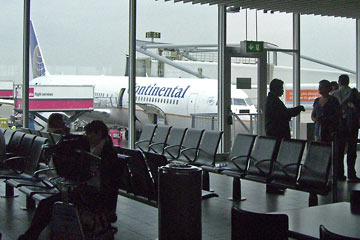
[277,117]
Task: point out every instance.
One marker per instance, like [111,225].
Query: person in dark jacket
[277,115]
[101,187]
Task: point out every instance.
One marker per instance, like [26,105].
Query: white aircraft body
[171,100]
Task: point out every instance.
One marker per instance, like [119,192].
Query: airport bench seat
[241,148]
[158,142]
[31,164]
[311,176]
[287,163]
[141,183]
[190,145]
[146,137]
[174,142]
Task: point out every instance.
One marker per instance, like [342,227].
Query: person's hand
[302,108]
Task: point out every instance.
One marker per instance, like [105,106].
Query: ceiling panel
[336,8]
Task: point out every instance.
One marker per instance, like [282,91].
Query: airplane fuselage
[172,100]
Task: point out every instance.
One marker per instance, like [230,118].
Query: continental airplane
[169,100]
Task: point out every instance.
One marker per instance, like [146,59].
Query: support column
[26,61]
[224,89]
[357,53]
[132,71]
[296,72]
[261,92]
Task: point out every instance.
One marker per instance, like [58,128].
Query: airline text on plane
[153,90]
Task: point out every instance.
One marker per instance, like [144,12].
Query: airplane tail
[38,64]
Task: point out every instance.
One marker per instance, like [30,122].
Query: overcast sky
[92,33]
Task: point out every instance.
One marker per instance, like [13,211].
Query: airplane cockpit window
[239,101]
[248,101]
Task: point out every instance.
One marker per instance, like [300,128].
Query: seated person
[57,125]
[104,184]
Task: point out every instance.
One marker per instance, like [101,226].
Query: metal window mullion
[132,71]
[296,71]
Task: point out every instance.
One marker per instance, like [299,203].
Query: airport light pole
[26,60]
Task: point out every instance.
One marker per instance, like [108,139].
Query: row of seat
[187,145]
[160,144]
[280,164]
[52,137]
[21,158]
[256,158]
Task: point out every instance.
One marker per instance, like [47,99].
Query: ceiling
[336,8]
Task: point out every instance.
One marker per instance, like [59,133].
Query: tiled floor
[137,221]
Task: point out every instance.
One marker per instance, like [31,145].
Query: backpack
[351,111]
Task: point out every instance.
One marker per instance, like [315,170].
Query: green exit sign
[254,46]
[153,35]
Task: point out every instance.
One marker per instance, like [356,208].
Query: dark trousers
[348,137]
[42,215]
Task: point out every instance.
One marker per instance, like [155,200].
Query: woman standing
[325,113]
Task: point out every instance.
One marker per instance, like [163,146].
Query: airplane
[168,100]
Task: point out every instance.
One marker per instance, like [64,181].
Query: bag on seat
[72,159]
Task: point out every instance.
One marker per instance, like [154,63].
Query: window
[239,101]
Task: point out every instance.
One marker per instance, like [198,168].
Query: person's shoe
[342,178]
[354,179]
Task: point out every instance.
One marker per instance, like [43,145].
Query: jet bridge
[56,98]
[6,89]
[74,99]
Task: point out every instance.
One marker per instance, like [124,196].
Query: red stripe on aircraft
[6,93]
[57,104]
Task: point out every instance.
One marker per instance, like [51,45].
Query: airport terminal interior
[139,219]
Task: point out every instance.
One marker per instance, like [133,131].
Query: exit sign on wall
[254,46]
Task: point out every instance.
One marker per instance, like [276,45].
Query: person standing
[325,113]
[348,128]
[334,87]
[57,125]
[277,115]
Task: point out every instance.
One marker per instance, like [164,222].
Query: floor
[140,221]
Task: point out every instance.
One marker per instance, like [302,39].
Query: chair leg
[313,199]
[9,192]
[30,204]
[205,181]
[237,190]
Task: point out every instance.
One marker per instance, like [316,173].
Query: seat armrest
[12,163]
[142,141]
[42,171]
[188,149]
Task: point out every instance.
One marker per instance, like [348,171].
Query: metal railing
[242,122]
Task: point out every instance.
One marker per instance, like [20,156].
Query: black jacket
[277,117]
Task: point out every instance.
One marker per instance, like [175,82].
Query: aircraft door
[192,103]
[121,95]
